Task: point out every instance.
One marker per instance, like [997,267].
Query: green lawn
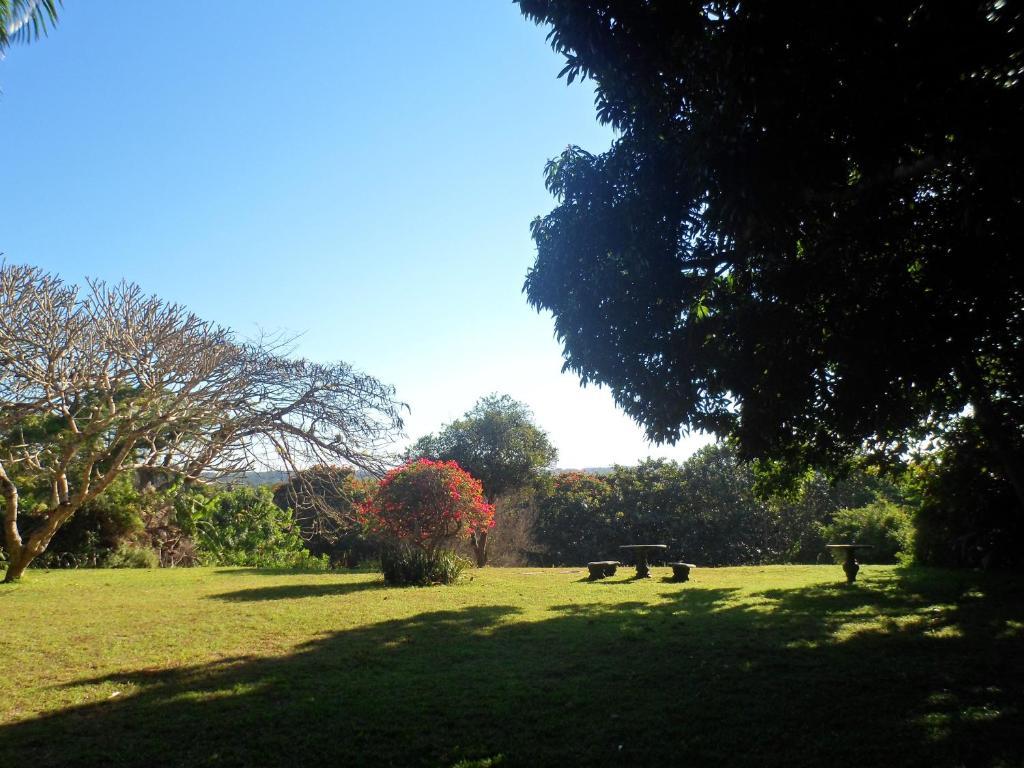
[740,666]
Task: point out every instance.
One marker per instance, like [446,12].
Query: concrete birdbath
[850,565]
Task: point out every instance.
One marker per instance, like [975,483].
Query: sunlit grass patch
[749,666]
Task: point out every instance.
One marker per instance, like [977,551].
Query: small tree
[497,442]
[428,503]
[112,381]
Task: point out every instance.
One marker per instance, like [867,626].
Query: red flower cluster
[426,502]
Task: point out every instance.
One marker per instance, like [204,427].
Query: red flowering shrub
[427,502]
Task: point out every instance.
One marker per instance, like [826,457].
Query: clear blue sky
[360,173]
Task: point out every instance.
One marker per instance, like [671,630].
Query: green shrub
[405,565]
[886,526]
[293,561]
[243,526]
[132,556]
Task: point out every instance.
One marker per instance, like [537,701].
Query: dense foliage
[428,504]
[803,513]
[704,509]
[806,232]
[575,521]
[967,513]
[114,518]
[707,510]
[325,504]
[135,525]
[886,527]
[243,526]
[497,442]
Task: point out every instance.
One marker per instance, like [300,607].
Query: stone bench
[681,571]
[601,568]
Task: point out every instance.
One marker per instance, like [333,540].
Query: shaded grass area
[740,666]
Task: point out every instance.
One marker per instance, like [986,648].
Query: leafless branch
[98,382]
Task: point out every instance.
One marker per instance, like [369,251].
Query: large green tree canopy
[496,441]
[806,234]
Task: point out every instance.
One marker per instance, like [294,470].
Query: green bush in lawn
[132,556]
[405,565]
[243,526]
[886,526]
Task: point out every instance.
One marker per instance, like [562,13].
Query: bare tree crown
[99,381]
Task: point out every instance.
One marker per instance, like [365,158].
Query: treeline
[949,506]
[708,510]
[711,509]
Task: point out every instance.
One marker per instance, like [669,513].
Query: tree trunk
[37,542]
[480,548]
[17,567]
[480,539]
[12,539]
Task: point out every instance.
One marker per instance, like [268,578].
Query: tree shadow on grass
[623,578]
[297,591]
[251,571]
[908,671]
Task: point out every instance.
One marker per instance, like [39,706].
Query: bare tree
[99,382]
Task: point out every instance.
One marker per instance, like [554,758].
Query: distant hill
[273,477]
[270,477]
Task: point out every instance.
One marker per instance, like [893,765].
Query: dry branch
[98,382]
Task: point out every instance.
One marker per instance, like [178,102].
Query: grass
[516,667]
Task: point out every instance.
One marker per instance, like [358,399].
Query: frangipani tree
[97,383]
